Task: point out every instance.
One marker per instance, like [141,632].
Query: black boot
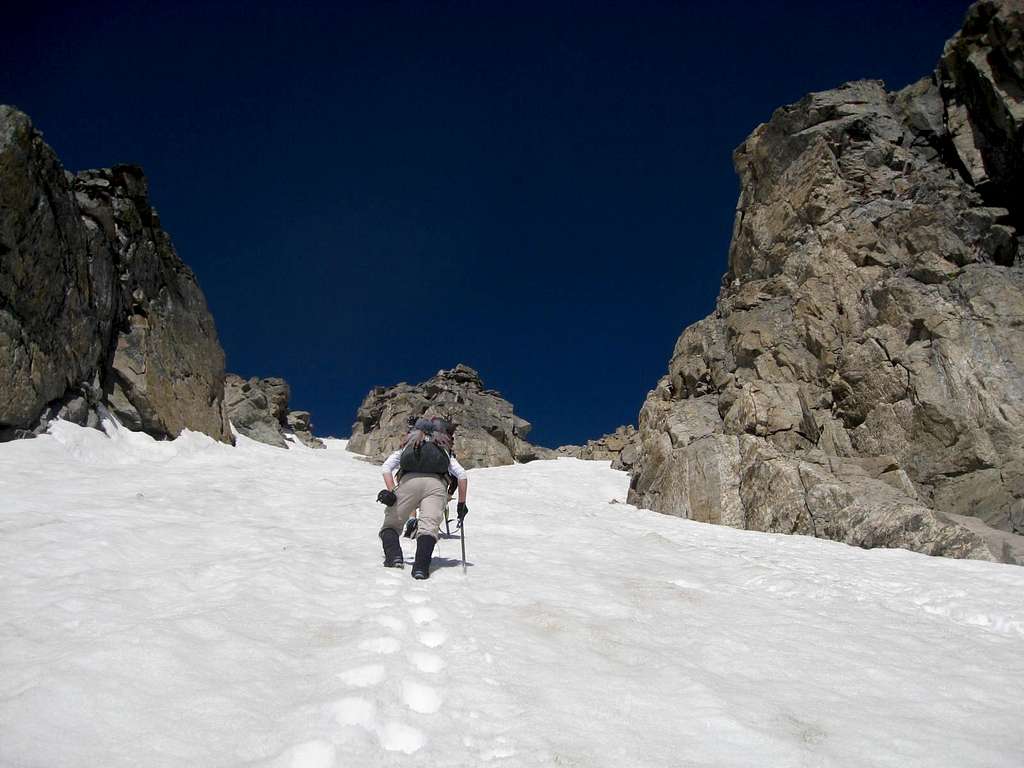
[424,551]
[393,557]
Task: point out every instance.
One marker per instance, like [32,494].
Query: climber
[426,461]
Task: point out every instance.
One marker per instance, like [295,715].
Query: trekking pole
[462,538]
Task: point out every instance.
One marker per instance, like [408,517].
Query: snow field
[191,604]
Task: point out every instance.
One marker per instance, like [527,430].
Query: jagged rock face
[618,447]
[862,376]
[58,285]
[981,72]
[258,409]
[95,305]
[489,433]
[167,370]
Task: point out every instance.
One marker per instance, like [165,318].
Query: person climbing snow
[425,460]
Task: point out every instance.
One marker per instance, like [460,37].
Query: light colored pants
[429,493]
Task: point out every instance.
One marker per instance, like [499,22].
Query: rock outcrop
[299,424]
[96,308]
[618,447]
[862,376]
[258,409]
[489,433]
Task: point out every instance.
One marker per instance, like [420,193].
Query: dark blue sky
[369,193]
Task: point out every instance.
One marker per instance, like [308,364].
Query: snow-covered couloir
[187,603]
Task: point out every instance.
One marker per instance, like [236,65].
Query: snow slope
[190,604]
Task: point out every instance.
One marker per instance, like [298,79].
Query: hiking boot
[410,527]
[393,557]
[424,551]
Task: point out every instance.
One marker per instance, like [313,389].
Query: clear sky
[371,192]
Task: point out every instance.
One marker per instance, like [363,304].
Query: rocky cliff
[862,375]
[258,409]
[618,447]
[96,308]
[489,433]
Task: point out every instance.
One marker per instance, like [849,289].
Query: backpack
[427,458]
[427,448]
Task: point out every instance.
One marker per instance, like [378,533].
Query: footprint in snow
[399,737]
[426,662]
[382,645]
[311,754]
[390,622]
[423,615]
[354,711]
[415,599]
[363,677]
[433,639]
[420,698]
[392,736]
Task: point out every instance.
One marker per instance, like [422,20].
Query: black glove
[387,498]
[463,510]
